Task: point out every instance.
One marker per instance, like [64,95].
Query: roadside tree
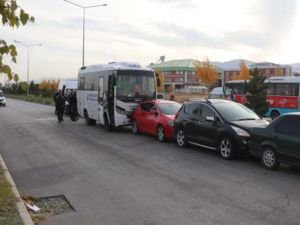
[244,71]
[256,90]
[33,88]
[9,75]
[16,78]
[159,80]
[12,15]
[23,86]
[206,72]
[47,88]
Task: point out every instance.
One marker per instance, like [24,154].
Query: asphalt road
[118,178]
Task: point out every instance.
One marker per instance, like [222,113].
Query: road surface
[117,178]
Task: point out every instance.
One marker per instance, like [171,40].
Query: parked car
[216,124]
[155,117]
[2,99]
[217,92]
[278,142]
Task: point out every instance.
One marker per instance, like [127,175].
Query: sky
[143,30]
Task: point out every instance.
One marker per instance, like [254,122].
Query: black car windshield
[1,94]
[233,111]
[169,108]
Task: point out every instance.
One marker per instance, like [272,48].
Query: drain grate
[50,206]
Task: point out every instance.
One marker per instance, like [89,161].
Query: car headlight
[170,123]
[240,132]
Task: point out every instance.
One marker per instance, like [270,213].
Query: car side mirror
[210,118]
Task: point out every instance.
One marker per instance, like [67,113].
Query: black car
[216,124]
[278,142]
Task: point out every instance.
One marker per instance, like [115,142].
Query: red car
[155,117]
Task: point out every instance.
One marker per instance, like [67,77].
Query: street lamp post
[83,22]
[28,47]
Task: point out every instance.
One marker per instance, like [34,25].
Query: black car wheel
[269,158]
[160,133]
[226,148]
[135,127]
[180,138]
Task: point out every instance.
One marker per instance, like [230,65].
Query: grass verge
[32,98]
[9,214]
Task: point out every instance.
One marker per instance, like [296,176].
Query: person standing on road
[75,110]
[73,106]
[54,99]
[60,105]
[233,95]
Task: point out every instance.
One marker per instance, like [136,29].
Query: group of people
[60,105]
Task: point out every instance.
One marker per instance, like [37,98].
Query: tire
[274,114]
[226,148]
[88,121]
[160,133]
[135,127]
[107,126]
[269,158]
[180,138]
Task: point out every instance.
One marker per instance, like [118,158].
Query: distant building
[229,74]
[271,69]
[265,69]
[179,75]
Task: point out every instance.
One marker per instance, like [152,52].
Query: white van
[217,92]
[2,99]
[69,84]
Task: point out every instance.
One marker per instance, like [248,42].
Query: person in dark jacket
[54,99]
[73,106]
[233,95]
[60,105]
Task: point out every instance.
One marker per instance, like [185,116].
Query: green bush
[33,98]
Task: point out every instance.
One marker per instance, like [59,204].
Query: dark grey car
[278,142]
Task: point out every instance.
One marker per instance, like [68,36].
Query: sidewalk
[19,204]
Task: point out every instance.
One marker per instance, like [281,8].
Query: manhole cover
[49,206]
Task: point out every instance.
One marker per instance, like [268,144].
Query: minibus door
[100,100]
[111,98]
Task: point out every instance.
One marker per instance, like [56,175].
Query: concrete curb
[20,204]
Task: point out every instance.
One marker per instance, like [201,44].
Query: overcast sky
[143,30]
